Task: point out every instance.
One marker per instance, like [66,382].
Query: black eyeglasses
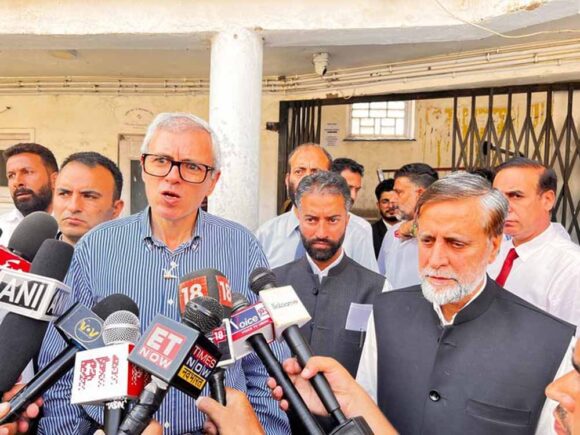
[160,166]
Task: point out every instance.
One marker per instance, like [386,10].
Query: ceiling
[278,61]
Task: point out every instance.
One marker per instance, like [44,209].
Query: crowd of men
[453,311]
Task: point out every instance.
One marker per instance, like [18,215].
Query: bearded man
[459,354]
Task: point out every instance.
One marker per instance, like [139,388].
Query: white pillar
[235,114]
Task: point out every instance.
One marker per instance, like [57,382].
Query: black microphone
[249,323]
[287,310]
[176,354]
[28,236]
[21,337]
[82,329]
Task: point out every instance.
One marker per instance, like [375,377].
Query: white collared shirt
[399,259]
[8,223]
[280,238]
[546,273]
[367,369]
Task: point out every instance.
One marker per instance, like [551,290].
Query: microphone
[105,376]
[177,354]
[29,294]
[205,282]
[288,314]
[252,330]
[26,240]
[82,329]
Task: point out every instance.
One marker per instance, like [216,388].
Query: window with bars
[382,120]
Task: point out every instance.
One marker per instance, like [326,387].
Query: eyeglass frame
[177,163]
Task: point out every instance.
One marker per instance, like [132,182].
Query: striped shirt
[122,256]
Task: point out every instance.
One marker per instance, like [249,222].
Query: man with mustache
[337,291]
[459,354]
[536,262]
[387,206]
[397,258]
[280,237]
[31,170]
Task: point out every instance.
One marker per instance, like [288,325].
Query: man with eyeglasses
[145,255]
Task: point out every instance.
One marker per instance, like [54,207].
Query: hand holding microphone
[22,424]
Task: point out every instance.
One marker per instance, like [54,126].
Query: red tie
[507,267]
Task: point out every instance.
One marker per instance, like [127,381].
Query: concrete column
[235,114]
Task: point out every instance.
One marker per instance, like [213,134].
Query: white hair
[178,122]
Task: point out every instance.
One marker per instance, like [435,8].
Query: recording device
[212,283]
[253,329]
[39,295]
[176,354]
[82,329]
[205,282]
[105,376]
[289,314]
[26,240]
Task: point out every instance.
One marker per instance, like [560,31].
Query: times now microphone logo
[161,346]
[197,367]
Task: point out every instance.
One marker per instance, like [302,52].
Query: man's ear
[118,208]
[548,199]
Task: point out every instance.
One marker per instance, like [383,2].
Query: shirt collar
[323,273]
[15,215]
[439,313]
[292,222]
[146,230]
[526,250]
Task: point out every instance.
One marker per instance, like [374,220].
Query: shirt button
[314,291]
[170,301]
[434,396]
[166,425]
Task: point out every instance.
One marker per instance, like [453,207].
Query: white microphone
[105,376]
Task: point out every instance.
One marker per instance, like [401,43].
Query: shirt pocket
[498,414]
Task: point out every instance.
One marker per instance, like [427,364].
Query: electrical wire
[500,34]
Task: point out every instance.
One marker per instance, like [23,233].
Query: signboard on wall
[330,134]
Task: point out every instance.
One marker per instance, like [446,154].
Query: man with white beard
[459,354]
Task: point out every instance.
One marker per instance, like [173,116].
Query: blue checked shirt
[122,256]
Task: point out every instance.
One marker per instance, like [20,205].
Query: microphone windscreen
[20,339]
[31,232]
[52,259]
[121,327]
[115,302]
[262,278]
[203,313]
[239,301]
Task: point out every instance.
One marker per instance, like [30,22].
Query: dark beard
[322,254]
[37,202]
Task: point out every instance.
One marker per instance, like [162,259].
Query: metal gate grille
[557,147]
[299,123]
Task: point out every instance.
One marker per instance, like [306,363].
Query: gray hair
[178,122]
[325,182]
[461,185]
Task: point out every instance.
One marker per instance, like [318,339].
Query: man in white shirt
[31,170]
[398,257]
[536,263]
[280,236]
[459,354]
[353,172]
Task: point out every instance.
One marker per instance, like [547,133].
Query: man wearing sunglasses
[145,255]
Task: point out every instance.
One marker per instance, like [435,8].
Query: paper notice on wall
[330,134]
